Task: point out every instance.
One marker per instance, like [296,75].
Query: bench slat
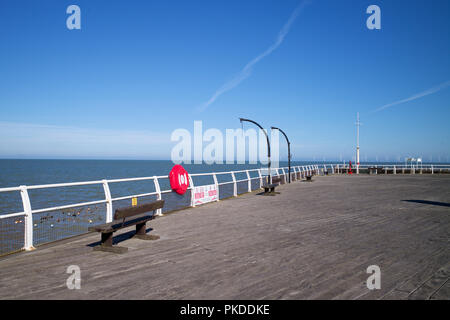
[276,180]
[119,224]
[273,185]
[132,211]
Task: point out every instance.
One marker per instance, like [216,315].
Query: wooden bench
[269,188]
[123,218]
[375,170]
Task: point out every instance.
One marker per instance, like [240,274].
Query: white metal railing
[393,168]
[28,212]
[298,171]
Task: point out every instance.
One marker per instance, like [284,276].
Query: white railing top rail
[93,182]
[99,182]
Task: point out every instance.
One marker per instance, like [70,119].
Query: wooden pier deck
[314,240]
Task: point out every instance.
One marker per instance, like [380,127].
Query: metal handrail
[108,200]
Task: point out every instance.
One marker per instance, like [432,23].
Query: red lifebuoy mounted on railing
[179,179]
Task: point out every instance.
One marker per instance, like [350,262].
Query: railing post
[432,169]
[260,179]
[284,174]
[216,183]
[295,173]
[234,184]
[191,184]
[108,198]
[158,194]
[332,169]
[249,181]
[28,220]
[395,170]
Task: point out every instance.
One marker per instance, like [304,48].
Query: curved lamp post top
[275,128]
[268,145]
[267,137]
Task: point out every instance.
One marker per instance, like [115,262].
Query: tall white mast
[358,124]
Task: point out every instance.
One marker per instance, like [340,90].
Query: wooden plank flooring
[312,241]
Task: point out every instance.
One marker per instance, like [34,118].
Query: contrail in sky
[416,96]
[247,70]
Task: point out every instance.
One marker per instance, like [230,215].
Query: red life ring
[179,179]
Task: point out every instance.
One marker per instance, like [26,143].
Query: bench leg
[107,239]
[107,246]
[269,191]
[140,233]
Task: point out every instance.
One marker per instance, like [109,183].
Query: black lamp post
[289,150]
[268,143]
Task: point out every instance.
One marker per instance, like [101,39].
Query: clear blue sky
[137,70]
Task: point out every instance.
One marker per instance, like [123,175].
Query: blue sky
[137,70]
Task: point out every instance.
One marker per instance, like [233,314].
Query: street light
[289,150]
[268,143]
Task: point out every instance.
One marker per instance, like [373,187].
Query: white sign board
[205,194]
